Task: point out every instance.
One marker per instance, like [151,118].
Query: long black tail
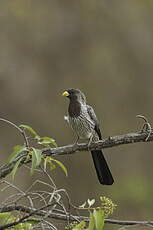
[102,169]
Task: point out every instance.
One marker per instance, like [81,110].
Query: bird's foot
[90,142]
[89,145]
[76,143]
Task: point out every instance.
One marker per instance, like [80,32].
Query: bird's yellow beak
[66,94]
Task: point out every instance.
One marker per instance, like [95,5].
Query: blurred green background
[104,48]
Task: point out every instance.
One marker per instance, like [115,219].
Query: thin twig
[19,129]
[146,126]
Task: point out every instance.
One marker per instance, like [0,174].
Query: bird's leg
[76,141]
[90,140]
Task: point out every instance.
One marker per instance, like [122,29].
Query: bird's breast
[81,126]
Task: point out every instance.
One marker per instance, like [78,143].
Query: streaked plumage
[84,122]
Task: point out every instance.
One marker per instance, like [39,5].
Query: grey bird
[84,122]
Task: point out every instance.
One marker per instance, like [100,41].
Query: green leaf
[13,172]
[36,158]
[80,226]
[6,218]
[45,163]
[23,226]
[98,215]
[30,129]
[37,138]
[16,151]
[51,165]
[46,141]
[82,205]
[48,161]
[60,164]
[91,202]
[91,222]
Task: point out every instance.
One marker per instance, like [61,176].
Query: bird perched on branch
[84,122]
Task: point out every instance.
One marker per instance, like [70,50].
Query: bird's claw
[109,138]
[75,144]
[88,146]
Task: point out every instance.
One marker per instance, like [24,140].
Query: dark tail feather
[102,169]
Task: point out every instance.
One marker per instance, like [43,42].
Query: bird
[83,121]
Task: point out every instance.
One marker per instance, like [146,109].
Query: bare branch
[60,216]
[110,142]
[114,141]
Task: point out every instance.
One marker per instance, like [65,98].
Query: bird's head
[74,94]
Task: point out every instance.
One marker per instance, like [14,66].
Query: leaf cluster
[35,154]
[97,215]
[8,218]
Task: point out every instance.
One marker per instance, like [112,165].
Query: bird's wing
[93,117]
